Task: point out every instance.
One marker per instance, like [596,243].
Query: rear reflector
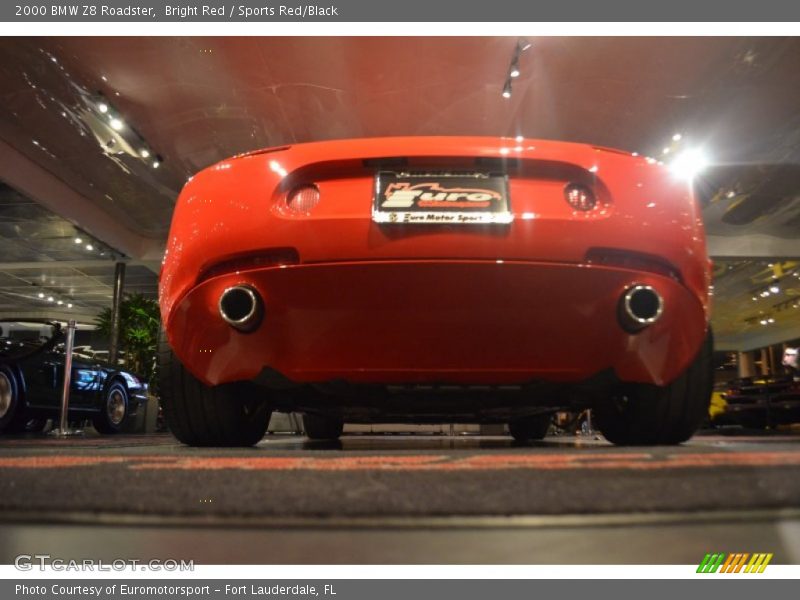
[273,257]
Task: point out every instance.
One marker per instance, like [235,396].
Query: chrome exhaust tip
[241,307]
[640,307]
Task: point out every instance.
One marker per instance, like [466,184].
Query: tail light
[302,199]
[580,197]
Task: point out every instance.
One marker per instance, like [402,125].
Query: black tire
[231,415]
[320,427]
[533,427]
[648,415]
[114,410]
[13,415]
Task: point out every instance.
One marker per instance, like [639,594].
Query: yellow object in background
[717,406]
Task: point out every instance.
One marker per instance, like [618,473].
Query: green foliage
[138,333]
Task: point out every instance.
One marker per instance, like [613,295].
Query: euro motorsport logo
[740,562]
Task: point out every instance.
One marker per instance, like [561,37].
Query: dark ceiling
[194,101]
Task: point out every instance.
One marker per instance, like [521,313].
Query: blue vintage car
[32,375]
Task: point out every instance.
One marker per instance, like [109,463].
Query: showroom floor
[416,499]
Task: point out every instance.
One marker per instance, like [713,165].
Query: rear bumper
[475,322]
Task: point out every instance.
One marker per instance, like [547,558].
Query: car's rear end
[469,261]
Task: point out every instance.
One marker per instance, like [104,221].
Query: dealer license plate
[458,199]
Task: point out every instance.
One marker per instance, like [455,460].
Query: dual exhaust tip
[639,307]
[242,307]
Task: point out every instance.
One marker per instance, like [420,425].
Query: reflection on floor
[408,499]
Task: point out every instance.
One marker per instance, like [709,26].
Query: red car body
[350,299]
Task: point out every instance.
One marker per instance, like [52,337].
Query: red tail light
[580,197]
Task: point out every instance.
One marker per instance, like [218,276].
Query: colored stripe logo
[738,562]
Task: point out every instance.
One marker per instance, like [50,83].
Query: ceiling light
[774,289]
[41,295]
[89,247]
[763,321]
[677,137]
[144,153]
[514,71]
[60,302]
[117,124]
[156,164]
[78,240]
[689,164]
[507,89]
[102,107]
[69,305]
[50,298]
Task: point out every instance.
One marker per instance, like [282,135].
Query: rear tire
[533,427]
[13,415]
[319,427]
[199,415]
[114,409]
[642,414]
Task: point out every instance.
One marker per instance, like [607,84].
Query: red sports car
[452,279]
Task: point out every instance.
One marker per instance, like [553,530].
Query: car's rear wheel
[201,415]
[13,415]
[533,427]
[114,409]
[321,427]
[642,414]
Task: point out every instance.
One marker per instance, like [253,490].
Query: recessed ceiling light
[117,124]
[41,295]
[677,137]
[144,153]
[102,107]
[89,247]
